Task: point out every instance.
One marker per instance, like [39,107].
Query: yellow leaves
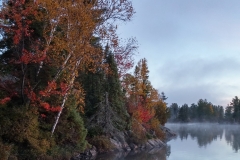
[154,123]
[155,126]
[139,130]
[139,86]
[52,8]
[79,95]
[140,91]
[69,27]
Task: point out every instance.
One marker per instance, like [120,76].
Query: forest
[65,83]
[205,111]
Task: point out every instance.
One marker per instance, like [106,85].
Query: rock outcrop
[168,133]
[121,143]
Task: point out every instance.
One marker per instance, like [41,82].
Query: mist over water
[205,134]
[194,141]
[205,141]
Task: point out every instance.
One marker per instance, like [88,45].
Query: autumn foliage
[5,100]
[144,103]
[53,66]
[140,112]
[47,107]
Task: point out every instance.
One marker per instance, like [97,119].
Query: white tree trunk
[66,96]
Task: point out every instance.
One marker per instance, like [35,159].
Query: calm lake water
[193,142]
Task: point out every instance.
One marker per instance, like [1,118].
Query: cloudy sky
[192,47]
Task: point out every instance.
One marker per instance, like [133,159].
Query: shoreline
[122,147]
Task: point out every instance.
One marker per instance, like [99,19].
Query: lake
[205,142]
[194,141]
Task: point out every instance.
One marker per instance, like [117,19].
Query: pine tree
[114,88]
[104,98]
[236,108]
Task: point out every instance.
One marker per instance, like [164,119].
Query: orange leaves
[29,57]
[145,104]
[17,36]
[61,33]
[5,100]
[19,13]
[52,89]
[55,109]
[64,88]
[144,114]
[18,16]
[26,57]
[52,85]
[140,111]
[32,96]
[47,107]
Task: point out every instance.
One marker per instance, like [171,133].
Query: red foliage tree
[140,111]
[5,100]
[124,55]
[144,114]
[62,45]
[24,51]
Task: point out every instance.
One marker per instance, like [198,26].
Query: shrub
[102,143]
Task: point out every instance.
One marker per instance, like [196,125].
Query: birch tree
[56,37]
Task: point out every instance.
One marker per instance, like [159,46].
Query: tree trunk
[66,96]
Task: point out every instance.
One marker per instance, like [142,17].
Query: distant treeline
[205,111]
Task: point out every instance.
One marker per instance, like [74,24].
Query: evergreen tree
[236,109]
[44,46]
[93,84]
[184,113]
[114,88]
[104,98]
[193,112]
[163,96]
[174,109]
[229,114]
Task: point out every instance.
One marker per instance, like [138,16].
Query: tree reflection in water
[154,154]
[206,133]
[232,136]
[203,134]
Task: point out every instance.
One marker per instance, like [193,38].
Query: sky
[192,47]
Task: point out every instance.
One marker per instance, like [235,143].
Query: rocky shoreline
[121,144]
